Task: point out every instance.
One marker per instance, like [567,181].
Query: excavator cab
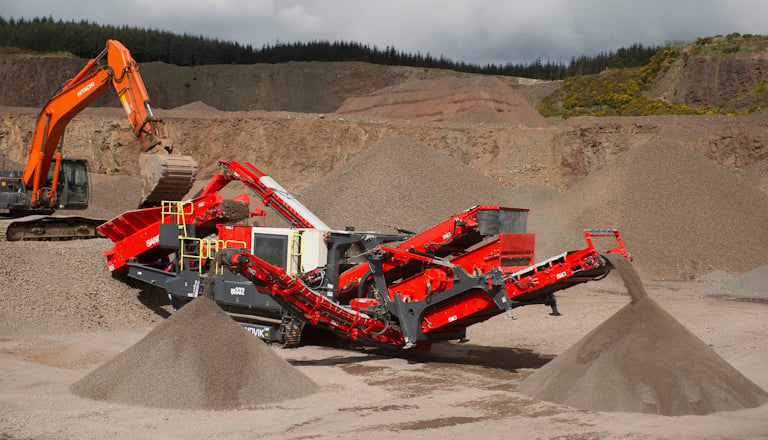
[73,190]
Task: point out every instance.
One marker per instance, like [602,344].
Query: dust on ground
[453,391]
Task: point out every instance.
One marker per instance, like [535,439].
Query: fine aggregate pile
[404,183]
[754,282]
[681,215]
[66,286]
[480,99]
[643,360]
[198,358]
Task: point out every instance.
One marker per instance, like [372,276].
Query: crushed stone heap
[198,358]
[477,99]
[643,360]
[754,282]
[402,182]
[673,207]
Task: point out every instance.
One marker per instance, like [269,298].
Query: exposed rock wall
[297,149]
[295,86]
[721,81]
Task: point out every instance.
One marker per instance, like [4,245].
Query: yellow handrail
[177,209]
[178,213]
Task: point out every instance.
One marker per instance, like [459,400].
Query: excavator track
[165,177]
[51,228]
[4,223]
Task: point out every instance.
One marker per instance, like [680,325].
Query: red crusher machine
[407,290]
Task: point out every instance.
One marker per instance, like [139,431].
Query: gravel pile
[480,99]
[401,182]
[754,282]
[197,106]
[643,360]
[66,285]
[111,195]
[681,215]
[198,358]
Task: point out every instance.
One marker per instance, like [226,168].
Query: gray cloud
[491,31]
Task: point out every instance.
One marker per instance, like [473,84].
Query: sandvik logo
[153,241]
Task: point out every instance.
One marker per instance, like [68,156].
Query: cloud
[477,31]
[297,18]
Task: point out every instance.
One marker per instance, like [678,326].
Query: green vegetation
[729,44]
[86,39]
[621,92]
[626,92]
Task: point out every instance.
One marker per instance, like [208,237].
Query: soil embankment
[479,99]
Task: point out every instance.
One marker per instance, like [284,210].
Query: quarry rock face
[708,80]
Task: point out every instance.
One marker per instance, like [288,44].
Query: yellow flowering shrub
[618,92]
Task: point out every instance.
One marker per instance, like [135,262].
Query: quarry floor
[454,391]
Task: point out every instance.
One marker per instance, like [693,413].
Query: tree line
[86,39]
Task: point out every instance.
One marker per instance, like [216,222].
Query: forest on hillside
[86,39]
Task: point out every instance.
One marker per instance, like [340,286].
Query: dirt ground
[455,391]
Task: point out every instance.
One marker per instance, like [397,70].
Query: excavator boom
[50,128]
[38,190]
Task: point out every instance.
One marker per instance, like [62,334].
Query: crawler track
[42,227]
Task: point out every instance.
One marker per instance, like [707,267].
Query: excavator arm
[133,96]
[120,71]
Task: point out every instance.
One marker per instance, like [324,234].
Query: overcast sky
[476,31]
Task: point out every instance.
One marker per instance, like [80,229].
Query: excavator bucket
[165,177]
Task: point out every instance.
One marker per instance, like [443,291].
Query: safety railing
[193,251]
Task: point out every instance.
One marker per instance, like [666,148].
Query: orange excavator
[51,181]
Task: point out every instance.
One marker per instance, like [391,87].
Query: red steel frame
[314,307]
[253,178]
[449,314]
[438,238]
[135,233]
[450,276]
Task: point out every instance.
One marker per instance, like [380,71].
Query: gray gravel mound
[681,215]
[402,182]
[643,360]
[753,282]
[59,285]
[198,358]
